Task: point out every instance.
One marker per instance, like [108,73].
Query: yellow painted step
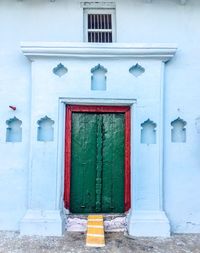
[95,241]
[95,223]
[96,217]
[95,231]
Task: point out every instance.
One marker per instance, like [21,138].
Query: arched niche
[98,78]
[14,130]
[178,132]
[148,132]
[137,70]
[60,70]
[45,129]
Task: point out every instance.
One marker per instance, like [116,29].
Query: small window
[99,25]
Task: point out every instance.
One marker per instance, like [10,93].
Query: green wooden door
[97,168]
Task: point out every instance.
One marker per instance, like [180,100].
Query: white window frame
[99,11]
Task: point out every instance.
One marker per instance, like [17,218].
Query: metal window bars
[100,28]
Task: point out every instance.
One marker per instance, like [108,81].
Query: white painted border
[162,51]
[98,5]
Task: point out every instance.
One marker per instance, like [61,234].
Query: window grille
[100,26]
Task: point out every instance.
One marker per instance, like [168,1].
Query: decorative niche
[178,132]
[45,129]
[98,78]
[14,130]
[137,70]
[60,70]
[148,132]
[197,124]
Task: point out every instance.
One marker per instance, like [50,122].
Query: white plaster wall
[160,21]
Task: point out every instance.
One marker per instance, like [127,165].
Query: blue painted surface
[98,78]
[45,129]
[178,133]
[60,70]
[136,70]
[148,132]
[160,21]
[14,130]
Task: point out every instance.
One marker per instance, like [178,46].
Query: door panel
[113,164]
[83,162]
[97,164]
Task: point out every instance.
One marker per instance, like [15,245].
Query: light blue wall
[161,21]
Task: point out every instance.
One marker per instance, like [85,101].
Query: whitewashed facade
[153,66]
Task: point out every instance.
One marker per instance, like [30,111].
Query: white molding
[108,4]
[148,224]
[97,101]
[98,5]
[42,222]
[159,51]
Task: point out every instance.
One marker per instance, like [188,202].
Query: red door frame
[68,127]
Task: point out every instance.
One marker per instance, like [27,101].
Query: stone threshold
[112,222]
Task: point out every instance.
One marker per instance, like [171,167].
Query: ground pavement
[73,242]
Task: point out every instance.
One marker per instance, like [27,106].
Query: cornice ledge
[160,51]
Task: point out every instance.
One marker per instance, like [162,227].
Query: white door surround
[142,90]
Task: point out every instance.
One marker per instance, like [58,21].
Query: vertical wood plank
[99,163]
